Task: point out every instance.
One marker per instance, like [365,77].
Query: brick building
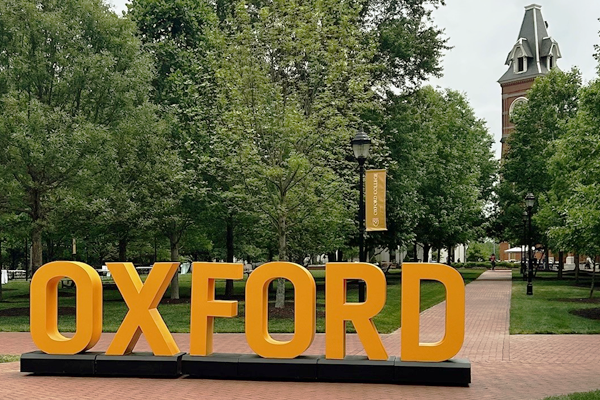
[533,54]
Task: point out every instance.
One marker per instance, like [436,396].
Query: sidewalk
[503,366]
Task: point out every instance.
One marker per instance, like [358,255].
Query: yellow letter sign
[142,300]
[449,346]
[204,306]
[44,307]
[338,310]
[257,310]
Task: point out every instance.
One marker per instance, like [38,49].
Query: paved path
[503,366]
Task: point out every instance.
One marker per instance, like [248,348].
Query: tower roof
[538,50]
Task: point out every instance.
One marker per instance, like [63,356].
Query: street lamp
[361,145]
[529,202]
[524,248]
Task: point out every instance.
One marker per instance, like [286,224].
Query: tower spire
[533,54]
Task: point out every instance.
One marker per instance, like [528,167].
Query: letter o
[44,307]
[257,310]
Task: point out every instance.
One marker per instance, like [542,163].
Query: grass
[177,316]
[595,395]
[549,309]
[6,358]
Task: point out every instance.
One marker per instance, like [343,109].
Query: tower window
[550,62]
[521,64]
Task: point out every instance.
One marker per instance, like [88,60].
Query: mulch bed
[24,311]
[589,313]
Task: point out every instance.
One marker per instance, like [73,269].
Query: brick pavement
[503,366]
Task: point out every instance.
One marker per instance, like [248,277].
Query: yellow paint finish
[44,307]
[257,310]
[143,316]
[338,310]
[204,305]
[449,346]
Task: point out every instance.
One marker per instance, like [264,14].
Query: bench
[16,274]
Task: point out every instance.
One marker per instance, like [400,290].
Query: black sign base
[99,364]
[252,367]
[51,364]
[453,372]
[139,364]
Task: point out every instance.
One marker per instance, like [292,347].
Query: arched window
[514,105]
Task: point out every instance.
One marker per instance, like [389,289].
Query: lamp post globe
[529,200]
[361,144]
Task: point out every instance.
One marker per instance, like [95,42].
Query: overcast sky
[482,32]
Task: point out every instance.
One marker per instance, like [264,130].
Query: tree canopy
[221,130]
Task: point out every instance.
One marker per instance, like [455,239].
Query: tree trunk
[415,255]
[36,247]
[576,269]
[426,249]
[561,264]
[173,239]
[123,250]
[438,256]
[36,230]
[593,277]
[449,256]
[229,245]
[280,295]
[331,257]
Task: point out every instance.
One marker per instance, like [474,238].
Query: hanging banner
[375,201]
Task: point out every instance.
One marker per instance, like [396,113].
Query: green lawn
[4,358]
[549,309]
[595,395]
[177,316]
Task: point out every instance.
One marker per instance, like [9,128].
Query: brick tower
[534,54]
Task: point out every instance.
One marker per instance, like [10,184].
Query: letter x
[142,300]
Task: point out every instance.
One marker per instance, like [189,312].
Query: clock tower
[534,54]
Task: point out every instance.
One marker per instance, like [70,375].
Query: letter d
[449,346]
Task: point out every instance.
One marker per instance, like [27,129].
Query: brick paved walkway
[503,366]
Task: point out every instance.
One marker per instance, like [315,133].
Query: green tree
[182,37]
[539,123]
[70,70]
[296,78]
[573,200]
[444,165]
[409,45]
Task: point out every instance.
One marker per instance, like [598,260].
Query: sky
[482,32]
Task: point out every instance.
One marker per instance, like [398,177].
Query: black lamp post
[361,145]
[524,248]
[529,202]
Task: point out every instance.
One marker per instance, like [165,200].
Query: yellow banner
[375,201]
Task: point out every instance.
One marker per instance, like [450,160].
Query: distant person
[493,261]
